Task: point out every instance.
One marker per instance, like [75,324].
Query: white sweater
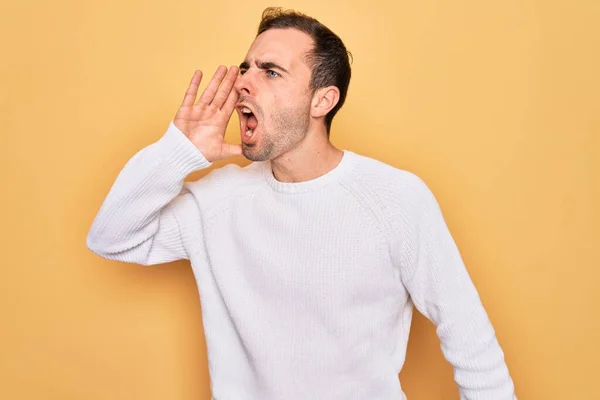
[306,288]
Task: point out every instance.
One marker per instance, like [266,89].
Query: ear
[324,99]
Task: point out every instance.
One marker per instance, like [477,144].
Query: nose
[243,83]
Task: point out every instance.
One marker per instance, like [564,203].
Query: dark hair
[329,59]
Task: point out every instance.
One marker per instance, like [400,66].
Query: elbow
[95,243]
[110,249]
[101,242]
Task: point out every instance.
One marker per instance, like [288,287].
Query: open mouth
[248,121]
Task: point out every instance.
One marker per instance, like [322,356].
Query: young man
[308,261]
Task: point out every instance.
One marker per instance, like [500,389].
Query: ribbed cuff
[179,152]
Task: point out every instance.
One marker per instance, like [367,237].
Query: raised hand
[204,122]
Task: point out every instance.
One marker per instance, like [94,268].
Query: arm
[139,221]
[434,274]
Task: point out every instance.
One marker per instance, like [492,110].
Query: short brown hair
[329,59]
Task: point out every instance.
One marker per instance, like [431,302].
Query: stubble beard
[288,128]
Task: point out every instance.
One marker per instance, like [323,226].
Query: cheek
[291,101]
[284,103]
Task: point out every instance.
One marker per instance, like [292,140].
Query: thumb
[231,150]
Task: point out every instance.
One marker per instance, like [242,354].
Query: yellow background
[494,104]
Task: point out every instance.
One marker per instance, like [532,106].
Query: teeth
[249,133]
[246,110]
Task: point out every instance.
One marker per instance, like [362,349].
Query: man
[308,260]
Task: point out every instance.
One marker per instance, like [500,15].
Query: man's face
[274,84]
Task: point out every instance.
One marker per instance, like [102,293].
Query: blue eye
[272,74]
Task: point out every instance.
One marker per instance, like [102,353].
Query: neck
[310,159]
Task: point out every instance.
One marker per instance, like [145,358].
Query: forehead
[287,47]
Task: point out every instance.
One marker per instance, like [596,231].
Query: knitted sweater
[306,288]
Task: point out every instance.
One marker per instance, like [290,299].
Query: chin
[255,152]
[252,152]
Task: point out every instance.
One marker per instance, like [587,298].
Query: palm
[196,119]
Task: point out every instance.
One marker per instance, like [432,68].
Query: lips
[248,122]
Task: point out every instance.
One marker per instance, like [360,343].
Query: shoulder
[389,186]
[223,184]
[230,174]
[400,198]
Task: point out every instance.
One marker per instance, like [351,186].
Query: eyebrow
[264,65]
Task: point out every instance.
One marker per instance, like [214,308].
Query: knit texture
[307,288]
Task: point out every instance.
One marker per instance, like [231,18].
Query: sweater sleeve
[139,221]
[440,287]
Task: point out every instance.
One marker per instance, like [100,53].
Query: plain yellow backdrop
[494,104]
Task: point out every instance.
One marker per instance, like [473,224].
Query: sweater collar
[344,166]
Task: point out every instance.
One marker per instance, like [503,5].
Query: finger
[213,86]
[230,103]
[226,87]
[231,150]
[190,94]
